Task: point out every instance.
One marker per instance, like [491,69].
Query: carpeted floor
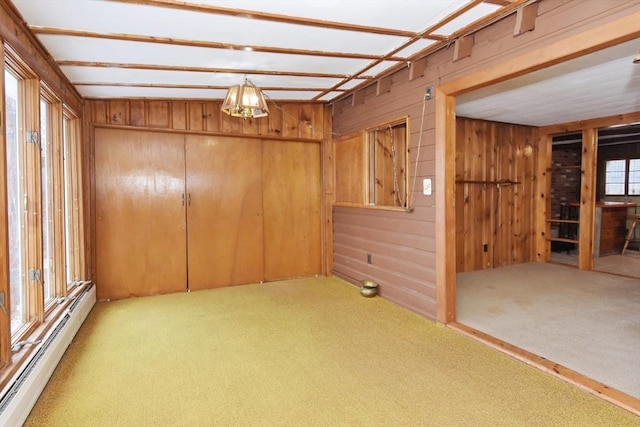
[586,321]
[305,352]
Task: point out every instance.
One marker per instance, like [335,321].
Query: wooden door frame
[592,40]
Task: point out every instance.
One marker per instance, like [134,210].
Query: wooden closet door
[291,191]
[224,213]
[140,217]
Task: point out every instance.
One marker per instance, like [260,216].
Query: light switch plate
[426,186]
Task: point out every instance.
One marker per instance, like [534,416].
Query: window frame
[626,184]
[40,317]
[30,184]
[372,182]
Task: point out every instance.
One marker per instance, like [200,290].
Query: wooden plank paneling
[212,116]
[99,112]
[118,112]
[292,203]
[158,114]
[195,112]
[349,170]
[179,115]
[138,112]
[494,222]
[298,121]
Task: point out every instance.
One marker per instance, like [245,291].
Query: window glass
[615,171]
[634,177]
[17,285]
[387,155]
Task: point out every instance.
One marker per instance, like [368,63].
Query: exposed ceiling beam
[201,69]
[469,29]
[183,86]
[429,30]
[205,44]
[264,16]
[500,2]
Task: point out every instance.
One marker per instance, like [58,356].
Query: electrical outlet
[369,259]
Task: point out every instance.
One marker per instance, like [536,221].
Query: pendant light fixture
[246,101]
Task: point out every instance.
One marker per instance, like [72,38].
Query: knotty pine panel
[299,121]
[494,223]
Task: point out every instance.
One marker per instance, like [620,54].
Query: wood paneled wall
[293,121]
[287,120]
[495,187]
[556,21]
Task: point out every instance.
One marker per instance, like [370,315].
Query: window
[73,201]
[15,195]
[43,204]
[622,177]
[387,165]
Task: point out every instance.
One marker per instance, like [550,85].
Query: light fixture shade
[246,101]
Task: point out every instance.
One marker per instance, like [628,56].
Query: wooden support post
[587,198]
[543,199]
[445,207]
[329,190]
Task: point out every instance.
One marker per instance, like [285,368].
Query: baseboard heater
[21,394]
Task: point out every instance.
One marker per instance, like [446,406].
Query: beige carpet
[586,321]
[306,352]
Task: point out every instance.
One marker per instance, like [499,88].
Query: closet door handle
[182,199]
[188,199]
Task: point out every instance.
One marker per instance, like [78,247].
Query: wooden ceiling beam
[205,44]
[265,16]
[500,2]
[187,86]
[67,63]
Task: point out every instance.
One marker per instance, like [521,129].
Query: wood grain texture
[495,225]
[350,170]
[294,120]
[140,226]
[224,211]
[292,203]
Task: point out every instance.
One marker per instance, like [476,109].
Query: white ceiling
[604,83]
[307,50]
[293,50]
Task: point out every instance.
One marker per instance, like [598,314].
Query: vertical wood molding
[587,198]
[30,93]
[445,128]
[5,339]
[329,191]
